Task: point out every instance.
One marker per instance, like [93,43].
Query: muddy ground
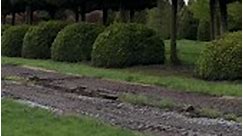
[98,98]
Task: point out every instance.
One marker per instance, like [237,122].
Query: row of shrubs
[118,45]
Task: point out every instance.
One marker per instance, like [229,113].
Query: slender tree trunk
[77,14]
[212,6]
[13,18]
[31,15]
[123,15]
[217,24]
[52,14]
[28,14]
[173,52]
[132,13]
[4,19]
[223,16]
[83,17]
[105,15]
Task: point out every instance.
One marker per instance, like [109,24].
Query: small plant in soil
[143,100]
[14,78]
[166,103]
[232,117]
[209,113]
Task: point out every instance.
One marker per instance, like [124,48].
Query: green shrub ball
[122,45]
[221,60]
[74,43]
[38,40]
[12,40]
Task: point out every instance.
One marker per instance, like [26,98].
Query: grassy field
[188,51]
[21,120]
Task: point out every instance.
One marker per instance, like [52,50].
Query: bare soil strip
[98,98]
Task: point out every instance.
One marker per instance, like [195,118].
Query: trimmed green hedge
[222,59]
[4,28]
[38,39]
[12,40]
[122,45]
[74,43]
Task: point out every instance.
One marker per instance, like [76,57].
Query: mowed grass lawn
[22,120]
[188,52]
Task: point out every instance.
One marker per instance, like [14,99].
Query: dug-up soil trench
[98,98]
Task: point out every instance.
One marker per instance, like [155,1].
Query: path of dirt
[64,82]
[77,95]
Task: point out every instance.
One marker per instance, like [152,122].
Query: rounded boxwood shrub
[221,60]
[74,43]
[38,39]
[123,45]
[4,28]
[12,40]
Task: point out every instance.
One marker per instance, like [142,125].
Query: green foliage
[188,25]
[122,45]
[12,40]
[4,28]
[159,19]
[221,60]
[234,17]
[200,9]
[74,43]
[203,32]
[38,39]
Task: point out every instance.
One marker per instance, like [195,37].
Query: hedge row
[120,45]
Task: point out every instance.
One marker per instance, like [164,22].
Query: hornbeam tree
[173,51]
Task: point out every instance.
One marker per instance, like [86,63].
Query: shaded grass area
[21,120]
[188,50]
[179,83]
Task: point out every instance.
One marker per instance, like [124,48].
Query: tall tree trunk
[217,23]
[28,14]
[13,18]
[123,15]
[173,52]
[77,14]
[132,13]
[105,16]
[4,19]
[31,15]
[52,14]
[212,6]
[83,17]
[223,15]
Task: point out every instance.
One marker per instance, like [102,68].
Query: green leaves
[74,43]
[122,45]
[38,40]
[12,40]
[221,60]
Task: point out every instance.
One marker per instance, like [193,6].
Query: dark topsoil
[98,98]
